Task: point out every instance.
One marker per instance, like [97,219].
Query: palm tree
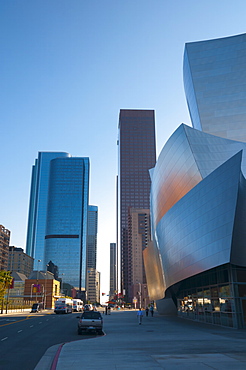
[5,282]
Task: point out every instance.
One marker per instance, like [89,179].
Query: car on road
[90,321]
[63,305]
[37,307]
[88,307]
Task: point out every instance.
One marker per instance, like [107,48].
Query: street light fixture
[45,284]
[37,281]
[62,283]
[140,295]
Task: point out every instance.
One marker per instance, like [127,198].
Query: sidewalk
[25,311]
[161,342]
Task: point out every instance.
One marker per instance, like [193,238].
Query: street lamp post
[62,284]
[37,281]
[45,287]
[140,295]
[31,291]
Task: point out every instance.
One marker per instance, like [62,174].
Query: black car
[37,307]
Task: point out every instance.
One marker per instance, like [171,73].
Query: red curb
[55,360]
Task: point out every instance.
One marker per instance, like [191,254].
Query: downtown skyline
[67,71]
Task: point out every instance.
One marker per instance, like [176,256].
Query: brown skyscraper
[137,154]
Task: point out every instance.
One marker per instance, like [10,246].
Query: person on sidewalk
[152,310]
[147,311]
[140,316]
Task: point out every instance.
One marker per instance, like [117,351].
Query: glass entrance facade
[217,296]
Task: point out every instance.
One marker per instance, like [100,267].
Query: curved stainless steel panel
[154,272]
[188,157]
[214,80]
[196,233]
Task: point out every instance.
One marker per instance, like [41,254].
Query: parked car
[37,307]
[88,307]
[90,321]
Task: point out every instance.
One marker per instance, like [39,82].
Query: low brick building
[42,287]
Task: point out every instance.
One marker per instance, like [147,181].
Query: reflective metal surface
[188,157]
[154,271]
[198,191]
[185,203]
[214,80]
[197,233]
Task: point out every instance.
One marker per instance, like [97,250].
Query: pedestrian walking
[147,311]
[152,310]
[140,316]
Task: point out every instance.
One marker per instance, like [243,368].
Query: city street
[24,338]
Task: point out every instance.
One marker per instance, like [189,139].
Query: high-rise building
[4,247]
[38,205]
[139,237]
[57,227]
[93,286]
[19,261]
[92,236]
[137,154]
[113,271]
[93,281]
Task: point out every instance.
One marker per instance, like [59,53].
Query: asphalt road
[25,338]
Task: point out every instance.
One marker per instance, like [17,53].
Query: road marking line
[4,339]
[15,322]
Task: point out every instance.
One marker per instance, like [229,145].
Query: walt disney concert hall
[196,262]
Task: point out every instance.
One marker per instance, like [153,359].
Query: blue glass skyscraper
[59,216]
[38,205]
[92,237]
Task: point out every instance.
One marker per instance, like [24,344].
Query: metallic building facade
[214,80]
[198,193]
[62,215]
[137,154]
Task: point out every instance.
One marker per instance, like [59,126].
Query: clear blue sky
[68,67]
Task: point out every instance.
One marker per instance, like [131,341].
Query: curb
[55,360]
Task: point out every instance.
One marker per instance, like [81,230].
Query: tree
[5,282]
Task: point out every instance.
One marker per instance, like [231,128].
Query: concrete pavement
[161,342]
